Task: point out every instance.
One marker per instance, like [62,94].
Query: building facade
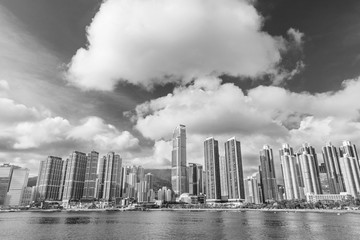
[349,167]
[212,170]
[91,175]
[18,184]
[49,178]
[267,174]
[6,171]
[332,165]
[234,171]
[112,179]
[178,161]
[75,177]
[290,171]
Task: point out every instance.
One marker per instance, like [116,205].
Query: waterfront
[178,225]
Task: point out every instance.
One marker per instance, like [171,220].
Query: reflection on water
[178,225]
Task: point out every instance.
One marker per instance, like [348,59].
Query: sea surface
[178,225]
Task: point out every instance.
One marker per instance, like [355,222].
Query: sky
[120,75]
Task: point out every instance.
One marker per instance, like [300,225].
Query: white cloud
[209,108]
[160,156]
[4,86]
[158,41]
[28,128]
[297,36]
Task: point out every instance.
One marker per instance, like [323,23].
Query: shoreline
[333,211]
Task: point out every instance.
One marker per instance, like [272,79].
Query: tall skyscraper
[101,177]
[332,165]
[49,178]
[149,179]
[194,175]
[251,189]
[351,173]
[234,168]
[309,173]
[6,171]
[112,180]
[18,184]
[290,172]
[324,182]
[63,177]
[308,154]
[267,174]
[212,170]
[75,177]
[178,161]
[91,175]
[349,149]
[223,179]
[200,179]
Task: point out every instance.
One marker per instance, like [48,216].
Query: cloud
[263,115]
[4,86]
[160,157]
[296,36]
[158,41]
[26,128]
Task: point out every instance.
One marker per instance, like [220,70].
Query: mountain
[162,177]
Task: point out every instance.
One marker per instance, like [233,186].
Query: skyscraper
[332,164]
[223,179]
[75,177]
[112,180]
[6,171]
[349,149]
[350,169]
[267,174]
[178,161]
[307,154]
[309,173]
[200,180]
[194,178]
[63,177]
[91,175]
[324,182]
[212,170]
[290,172]
[101,178]
[49,178]
[251,189]
[234,169]
[18,184]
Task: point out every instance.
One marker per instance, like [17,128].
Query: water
[178,225]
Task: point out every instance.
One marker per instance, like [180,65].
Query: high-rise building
[112,180]
[308,154]
[234,169]
[290,172]
[6,171]
[49,178]
[267,175]
[75,177]
[309,173]
[26,197]
[212,170]
[251,189]
[18,184]
[100,177]
[178,161]
[332,165]
[223,179]
[149,178]
[349,149]
[195,178]
[324,182]
[349,167]
[91,175]
[62,183]
[200,183]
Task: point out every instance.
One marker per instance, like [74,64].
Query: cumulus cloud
[4,86]
[263,115]
[159,41]
[26,127]
[160,156]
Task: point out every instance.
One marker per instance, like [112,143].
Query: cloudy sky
[120,75]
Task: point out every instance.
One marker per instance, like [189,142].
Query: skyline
[290,90]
